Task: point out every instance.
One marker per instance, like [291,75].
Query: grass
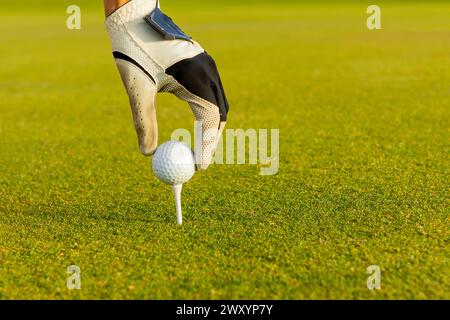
[363,118]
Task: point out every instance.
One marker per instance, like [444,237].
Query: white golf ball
[173,163]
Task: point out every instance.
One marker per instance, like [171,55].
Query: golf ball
[173,163]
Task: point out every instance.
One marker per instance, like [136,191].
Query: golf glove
[148,63]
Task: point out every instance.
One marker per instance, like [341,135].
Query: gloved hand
[148,64]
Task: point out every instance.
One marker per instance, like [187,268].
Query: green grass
[363,118]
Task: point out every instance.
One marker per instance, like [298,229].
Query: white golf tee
[177,193]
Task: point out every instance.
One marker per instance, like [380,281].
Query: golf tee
[177,193]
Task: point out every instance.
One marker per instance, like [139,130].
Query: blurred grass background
[363,118]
